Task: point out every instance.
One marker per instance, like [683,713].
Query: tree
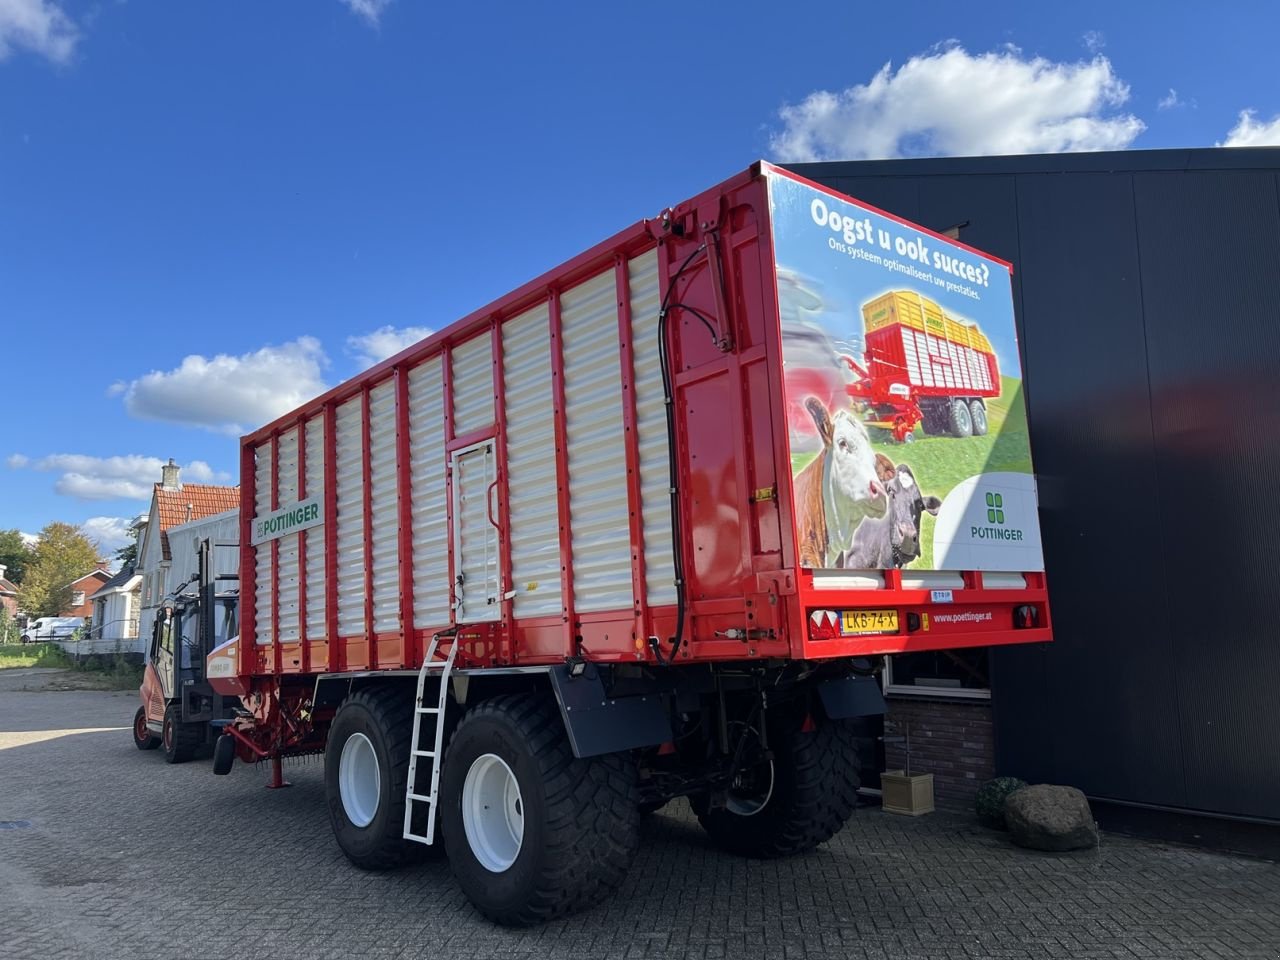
[14,554]
[62,555]
[128,554]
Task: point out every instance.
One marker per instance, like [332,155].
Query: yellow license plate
[862,622]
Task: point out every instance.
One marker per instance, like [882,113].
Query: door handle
[488,503]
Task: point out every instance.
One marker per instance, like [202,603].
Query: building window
[77,598]
[940,673]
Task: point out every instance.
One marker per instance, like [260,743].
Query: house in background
[116,607]
[173,504]
[82,588]
[8,593]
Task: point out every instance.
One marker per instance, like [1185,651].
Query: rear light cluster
[824,625]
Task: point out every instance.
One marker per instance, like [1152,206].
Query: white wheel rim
[359,780]
[493,813]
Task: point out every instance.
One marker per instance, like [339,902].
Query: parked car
[44,629]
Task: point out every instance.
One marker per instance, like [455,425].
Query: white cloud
[370,10]
[949,102]
[40,26]
[30,539]
[1250,132]
[227,394]
[1171,100]
[112,533]
[128,477]
[1093,40]
[371,348]
[17,461]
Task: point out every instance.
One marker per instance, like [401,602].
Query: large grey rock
[1048,817]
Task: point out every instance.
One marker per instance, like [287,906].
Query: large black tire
[143,738]
[815,789]
[180,740]
[384,716]
[961,422]
[581,817]
[978,414]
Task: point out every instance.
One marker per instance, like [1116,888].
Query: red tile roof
[8,588]
[191,501]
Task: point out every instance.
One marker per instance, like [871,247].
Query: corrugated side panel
[598,512]
[287,473]
[264,625]
[477,539]
[430,499]
[651,430]
[350,471]
[383,505]
[316,625]
[472,378]
[531,465]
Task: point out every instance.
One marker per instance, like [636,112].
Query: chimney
[169,474]
[3,569]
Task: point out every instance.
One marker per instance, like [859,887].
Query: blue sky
[211,211]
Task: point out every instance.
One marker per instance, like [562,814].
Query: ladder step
[421,798]
[428,709]
[414,836]
[424,753]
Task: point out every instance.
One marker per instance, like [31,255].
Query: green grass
[939,463]
[14,655]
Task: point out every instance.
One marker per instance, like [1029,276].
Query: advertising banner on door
[905,414]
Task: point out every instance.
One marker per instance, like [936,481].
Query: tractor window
[225,622]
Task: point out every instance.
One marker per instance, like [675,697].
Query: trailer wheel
[978,413]
[143,738]
[180,740]
[961,422]
[366,768]
[533,832]
[792,803]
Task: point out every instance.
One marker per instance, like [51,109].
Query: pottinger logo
[995,508]
[995,518]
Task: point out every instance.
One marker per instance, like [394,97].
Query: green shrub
[991,798]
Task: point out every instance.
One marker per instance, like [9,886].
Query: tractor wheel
[366,769]
[181,740]
[532,831]
[793,802]
[936,418]
[961,422]
[143,738]
[978,413]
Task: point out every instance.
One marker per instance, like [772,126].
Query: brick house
[8,593]
[82,589]
[172,503]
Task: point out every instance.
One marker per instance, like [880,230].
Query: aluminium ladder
[444,668]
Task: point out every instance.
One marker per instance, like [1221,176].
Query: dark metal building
[1147,286]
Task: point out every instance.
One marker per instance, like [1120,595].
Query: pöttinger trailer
[550,568]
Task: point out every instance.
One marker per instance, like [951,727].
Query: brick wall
[951,740]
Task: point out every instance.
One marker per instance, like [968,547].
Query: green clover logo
[995,508]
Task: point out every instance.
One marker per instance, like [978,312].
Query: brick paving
[126,857]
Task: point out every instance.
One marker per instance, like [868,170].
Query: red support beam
[409,656]
[506,648]
[275,558]
[336,661]
[562,475]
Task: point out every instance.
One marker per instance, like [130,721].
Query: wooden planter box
[911,795]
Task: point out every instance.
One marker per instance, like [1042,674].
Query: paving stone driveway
[127,857]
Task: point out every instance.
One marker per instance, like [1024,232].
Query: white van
[44,629]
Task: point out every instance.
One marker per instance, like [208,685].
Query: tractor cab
[180,710]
